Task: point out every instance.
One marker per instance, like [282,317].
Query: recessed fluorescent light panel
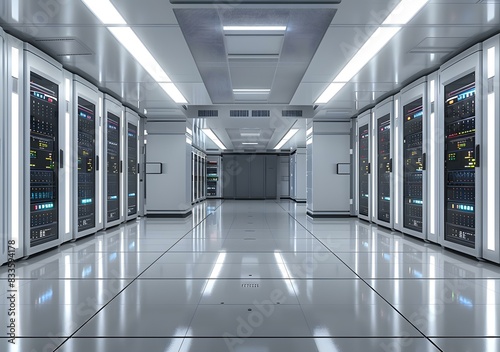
[250,143]
[400,16]
[404,12]
[251,91]
[255,28]
[105,11]
[287,137]
[210,134]
[109,16]
[250,134]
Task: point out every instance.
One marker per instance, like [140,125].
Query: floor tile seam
[440,279]
[254,337]
[366,283]
[296,296]
[202,292]
[345,337]
[131,282]
[251,278]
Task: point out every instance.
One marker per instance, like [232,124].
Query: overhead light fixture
[287,137]
[250,143]
[273,57]
[251,91]
[210,134]
[136,48]
[401,15]
[189,131]
[105,12]
[404,12]
[174,93]
[250,134]
[109,15]
[255,28]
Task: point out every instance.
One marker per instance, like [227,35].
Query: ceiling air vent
[208,113]
[291,113]
[261,113]
[66,46]
[238,113]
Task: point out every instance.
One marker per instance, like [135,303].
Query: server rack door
[397,162]
[373,168]
[131,187]
[67,129]
[44,143]
[15,161]
[142,167]
[414,155]
[204,181]
[413,180]
[198,176]
[192,177]
[3,147]
[461,120]
[364,167]
[491,179]
[86,158]
[383,181]
[433,159]
[354,168]
[114,165]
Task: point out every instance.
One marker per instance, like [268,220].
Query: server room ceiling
[322,36]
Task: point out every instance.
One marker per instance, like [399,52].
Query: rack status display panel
[364,170]
[44,114]
[384,168]
[132,169]
[460,161]
[113,167]
[86,165]
[413,165]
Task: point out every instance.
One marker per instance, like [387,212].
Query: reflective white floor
[253,276]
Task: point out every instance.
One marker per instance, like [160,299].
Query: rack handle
[478,155]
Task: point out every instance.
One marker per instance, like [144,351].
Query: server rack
[412,156]
[87,159]
[3,146]
[131,195]
[214,172]
[113,161]
[460,114]
[198,167]
[382,167]
[491,164]
[363,138]
[44,145]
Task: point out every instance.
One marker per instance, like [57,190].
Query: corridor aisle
[253,276]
